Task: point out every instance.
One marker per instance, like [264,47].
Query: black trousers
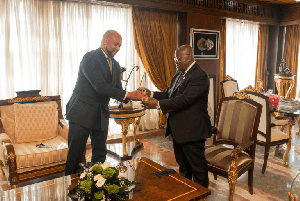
[77,138]
[190,157]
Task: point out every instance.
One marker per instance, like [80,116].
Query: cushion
[219,157]
[29,157]
[35,121]
[236,121]
[8,120]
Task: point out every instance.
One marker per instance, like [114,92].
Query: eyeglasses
[177,60]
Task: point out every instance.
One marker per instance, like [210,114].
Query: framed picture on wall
[205,43]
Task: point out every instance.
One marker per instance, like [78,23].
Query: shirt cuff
[152,94]
[125,95]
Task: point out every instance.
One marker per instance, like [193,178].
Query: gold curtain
[291,51]
[155,39]
[222,64]
[262,55]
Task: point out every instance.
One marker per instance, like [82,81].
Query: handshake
[143,94]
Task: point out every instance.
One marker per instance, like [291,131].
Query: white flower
[90,175]
[105,165]
[82,175]
[121,174]
[97,177]
[100,182]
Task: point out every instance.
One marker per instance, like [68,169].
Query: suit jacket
[186,105]
[88,105]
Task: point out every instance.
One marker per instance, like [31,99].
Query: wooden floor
[273,185]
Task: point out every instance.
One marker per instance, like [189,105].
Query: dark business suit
[188,121]
[87,109]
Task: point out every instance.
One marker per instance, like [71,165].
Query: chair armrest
[279,123]
[63,129]
[241,147]
[10,156]
[4,138]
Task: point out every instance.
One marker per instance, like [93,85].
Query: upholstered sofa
[33,137]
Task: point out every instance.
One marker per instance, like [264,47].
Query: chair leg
[232,177]
[266,156]
[250,179]
[215,176]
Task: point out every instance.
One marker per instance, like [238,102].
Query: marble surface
[273,185]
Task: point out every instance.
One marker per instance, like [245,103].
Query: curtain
[155,39]
[43,42]
[297,77]
[262,56]
[291,51]
[222,65]
[241,51]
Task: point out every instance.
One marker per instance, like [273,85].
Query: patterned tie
[176,84]
[110,64]
[179,80]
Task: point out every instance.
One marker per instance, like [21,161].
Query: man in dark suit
[185,101]
[87,110]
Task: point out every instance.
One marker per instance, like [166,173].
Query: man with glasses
[185,101]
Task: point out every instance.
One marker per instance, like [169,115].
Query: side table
[125,117]
[281,81]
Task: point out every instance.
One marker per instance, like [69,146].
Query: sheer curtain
[241,51]
[43,42]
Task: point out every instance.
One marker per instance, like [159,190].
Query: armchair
[267,136]
[26,121]
[234,141]
[229,86]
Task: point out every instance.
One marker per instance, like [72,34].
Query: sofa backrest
[30,122]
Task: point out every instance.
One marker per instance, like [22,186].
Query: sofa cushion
[29,157]
[35,121]
[8,120]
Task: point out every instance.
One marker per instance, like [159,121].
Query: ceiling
[281,1]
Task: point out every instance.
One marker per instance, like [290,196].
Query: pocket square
[164,172]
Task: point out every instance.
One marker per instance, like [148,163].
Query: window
[44,42]
[241,51]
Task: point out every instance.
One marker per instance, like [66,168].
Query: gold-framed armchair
[234,141]
[33,136]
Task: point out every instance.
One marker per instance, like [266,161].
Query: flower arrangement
[102,182]
[291,196]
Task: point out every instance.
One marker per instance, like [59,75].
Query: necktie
[179,80]
[110,64]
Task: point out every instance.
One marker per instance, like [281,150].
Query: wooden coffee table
[152,188]
[168,188]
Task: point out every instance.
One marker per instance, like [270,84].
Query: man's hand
[137,95]
[151,103]
[145,90]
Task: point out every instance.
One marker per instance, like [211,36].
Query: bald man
[185,101]
[87,110]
